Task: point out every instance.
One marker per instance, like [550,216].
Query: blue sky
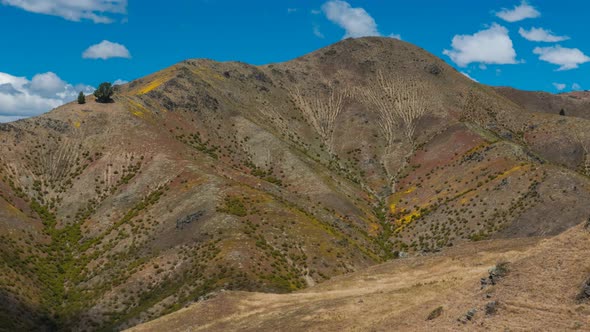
[51,49]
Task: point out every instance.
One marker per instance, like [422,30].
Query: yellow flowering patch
[373,229]
[152,85]
[397,196]
[77,124]
[410,190]
[136,108]
[408,218]
[512,170]
[159,79]
[392,207]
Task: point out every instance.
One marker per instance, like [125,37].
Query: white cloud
[395,36]
[106,50]
[559,86]
[98,11]
[518,13]
[490,46]
[356,22]
[316,12]
[576,86]
[21,97]
[291,10]
[541,35]
[317,32]
[120,82]
[566,58]
[47,84]
[469,77]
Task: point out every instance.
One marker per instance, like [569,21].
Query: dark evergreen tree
[562,112]
[81,98]
[104,93]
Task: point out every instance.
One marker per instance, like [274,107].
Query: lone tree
[562,112]
[81,98]
[104,93]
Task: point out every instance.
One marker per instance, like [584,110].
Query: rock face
[209,176]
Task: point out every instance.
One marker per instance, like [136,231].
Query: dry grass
[537,294]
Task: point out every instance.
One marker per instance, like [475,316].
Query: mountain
[208,176]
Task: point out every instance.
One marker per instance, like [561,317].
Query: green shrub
[234,205]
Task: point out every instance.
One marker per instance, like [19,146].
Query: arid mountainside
[539,285]
[209,176]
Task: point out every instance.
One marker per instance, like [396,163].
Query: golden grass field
[538,294]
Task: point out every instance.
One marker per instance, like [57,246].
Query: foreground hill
[209,176]
[540,285]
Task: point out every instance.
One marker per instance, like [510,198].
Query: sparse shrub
[234,205]
[435,313]
[491,308]
[501,269]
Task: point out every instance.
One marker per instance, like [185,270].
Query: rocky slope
[209,176]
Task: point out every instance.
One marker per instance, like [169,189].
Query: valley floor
[539,292]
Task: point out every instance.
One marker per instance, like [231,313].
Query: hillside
[209,176]
[541,288]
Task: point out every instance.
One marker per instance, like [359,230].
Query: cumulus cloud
[356,22]
[106,50]
[518,13]
[120,82]
[541,35]
[576,86]
[490,46]
[559,86]
[21,97]
[47,84]
[566,58]
[98,11]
